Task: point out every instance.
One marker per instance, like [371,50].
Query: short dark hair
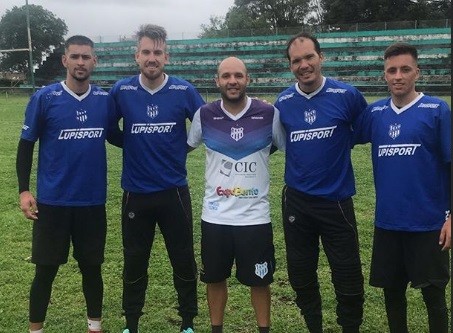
[78,40]
[152,31]
[303,35]
[400,48]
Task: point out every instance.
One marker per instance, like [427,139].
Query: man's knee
[135,268]
[434,297]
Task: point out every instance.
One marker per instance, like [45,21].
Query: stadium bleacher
[355,57]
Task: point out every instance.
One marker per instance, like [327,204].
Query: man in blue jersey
[238,133]
[71,120]
[410,135]
[154,108]
[317,114]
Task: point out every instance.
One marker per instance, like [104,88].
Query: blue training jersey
[411,154]
[155,134]
[71,129]
[319,138]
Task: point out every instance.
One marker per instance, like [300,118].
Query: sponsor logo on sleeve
[100,93]
[379,108]
[429,105]
[178,87]
[128,87]
[285,97]
[336,91]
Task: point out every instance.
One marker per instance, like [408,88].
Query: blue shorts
[57,226]
[250,247]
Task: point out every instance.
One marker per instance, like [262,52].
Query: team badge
[226,167]
[237,133]
[152,111]
[310,116]
[81,115]
[261,270]
[394,130]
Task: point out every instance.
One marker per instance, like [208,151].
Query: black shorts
[250,247]
[402,257]
[57,226]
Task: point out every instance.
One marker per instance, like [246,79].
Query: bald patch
[301,40]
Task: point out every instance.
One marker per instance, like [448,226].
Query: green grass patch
[67,308]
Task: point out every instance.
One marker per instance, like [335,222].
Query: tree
[277,13]
[237,22]
[241,21]
[263,16]
[430,10]
[217,26]
[349,11]
[317,12]
[341,11]
[268,16]
[46,30]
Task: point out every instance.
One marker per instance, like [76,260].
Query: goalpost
[29,49]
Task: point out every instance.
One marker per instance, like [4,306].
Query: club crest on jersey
[152,111]
[225,167]
[81,115]
[237,133]
[394,130]
[261,270]
[310,116]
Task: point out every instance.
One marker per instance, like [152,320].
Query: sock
[186,323]
[132,324]
[264,329]
[216,328]
[94,325]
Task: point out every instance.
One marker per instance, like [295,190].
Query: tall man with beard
[238,133]
[154,108]
[71,120]
[317,114]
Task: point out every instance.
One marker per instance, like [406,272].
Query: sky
[110,19]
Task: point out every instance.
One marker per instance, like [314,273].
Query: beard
[80,77]
[238,98]
[153,74]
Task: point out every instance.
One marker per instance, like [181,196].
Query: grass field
[67,309]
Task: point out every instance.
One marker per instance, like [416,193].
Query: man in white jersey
[238,133]
[71,120]
[154,108]
[410,135]
[317,114]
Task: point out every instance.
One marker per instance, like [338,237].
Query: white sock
[94,325]
[38,331]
